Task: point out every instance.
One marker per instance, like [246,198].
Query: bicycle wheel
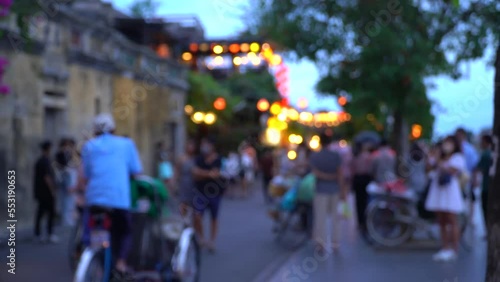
[75,246]
[94,265]
[383,225]
[193,263]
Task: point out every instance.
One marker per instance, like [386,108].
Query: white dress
[447,198]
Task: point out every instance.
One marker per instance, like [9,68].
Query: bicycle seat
[100,210]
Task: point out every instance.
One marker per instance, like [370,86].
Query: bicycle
[153,242]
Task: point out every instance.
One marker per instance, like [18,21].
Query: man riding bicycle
[108,163]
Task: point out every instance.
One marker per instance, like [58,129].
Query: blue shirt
[471,156]
[108,162]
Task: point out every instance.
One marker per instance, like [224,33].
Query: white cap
[104,123]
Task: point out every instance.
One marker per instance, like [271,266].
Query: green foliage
[144,8]
[253,85]
[378,52]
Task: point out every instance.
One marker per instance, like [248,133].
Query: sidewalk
[358,262]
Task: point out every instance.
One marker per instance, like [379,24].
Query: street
[356,262]
[244,249]
[247,252]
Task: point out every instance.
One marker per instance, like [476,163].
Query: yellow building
[72,68]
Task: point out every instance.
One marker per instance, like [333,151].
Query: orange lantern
[342,101]
[263,105]
[234,48]
[220,104]
[193,47]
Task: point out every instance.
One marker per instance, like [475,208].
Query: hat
[104,123]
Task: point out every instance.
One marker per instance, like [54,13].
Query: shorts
[202,203]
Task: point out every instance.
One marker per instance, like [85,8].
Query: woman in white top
[445,197]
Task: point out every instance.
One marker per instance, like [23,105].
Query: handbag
[444,178]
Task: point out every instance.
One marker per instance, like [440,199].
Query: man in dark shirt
[209,191]
[326,166]
[45,193]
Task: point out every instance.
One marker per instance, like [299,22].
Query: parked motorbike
[396,211]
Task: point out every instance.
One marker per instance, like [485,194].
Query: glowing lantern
[237,61]
[210,118]
[303,103]
[293,115]
[254,47]
[292,155]
[234,48]
[276,60]
[275,108]
[198,117]
[244,47]
[203,47]
[266,46]
[188,109]
[193,47]
[186,56]
[416,131]
[262,105]
[220,104]
[163,51]
[342,101]
[273,136]
[218,49]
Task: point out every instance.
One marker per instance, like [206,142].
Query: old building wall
[21,128]
[90,92]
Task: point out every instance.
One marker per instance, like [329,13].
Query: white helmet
[104,123]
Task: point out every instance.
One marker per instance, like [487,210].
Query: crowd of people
[445,176]
[76,177]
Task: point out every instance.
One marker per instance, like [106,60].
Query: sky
[467,102]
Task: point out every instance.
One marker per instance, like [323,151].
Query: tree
[144,8]
[376,52]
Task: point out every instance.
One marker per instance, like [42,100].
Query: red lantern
[220,104]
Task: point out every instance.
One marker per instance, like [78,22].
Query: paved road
[356,262]
[247,253]
[245,249]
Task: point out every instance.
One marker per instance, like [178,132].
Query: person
[445,197]
[417,176]
[210,186]
[109,161]
[330,188]
[471,159]
[361,170]
[483,170]
[267,166]
[384,163]
[184,178]
[165,168]
[232,171]
[45,192]
[61,161]
[248,169]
